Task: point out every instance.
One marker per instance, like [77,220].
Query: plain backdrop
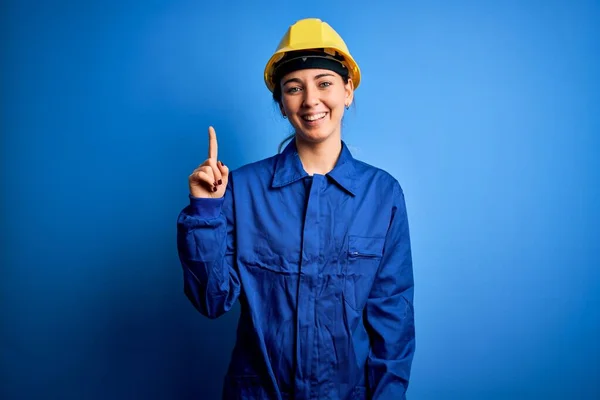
[487,112]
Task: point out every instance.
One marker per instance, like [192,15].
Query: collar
[289,169]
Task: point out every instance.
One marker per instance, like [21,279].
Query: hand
[209,180]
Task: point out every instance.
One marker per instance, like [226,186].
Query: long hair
[284,141]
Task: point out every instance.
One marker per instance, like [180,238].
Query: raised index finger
[212,143]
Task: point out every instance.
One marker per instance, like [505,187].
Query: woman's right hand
[209,180]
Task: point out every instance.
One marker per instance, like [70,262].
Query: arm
[205,243]
[389,313]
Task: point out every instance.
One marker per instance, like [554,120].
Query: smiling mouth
[314,117]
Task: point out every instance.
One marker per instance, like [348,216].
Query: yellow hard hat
[312,34]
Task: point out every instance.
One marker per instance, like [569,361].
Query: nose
[311,96]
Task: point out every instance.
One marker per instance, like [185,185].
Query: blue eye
[325,84]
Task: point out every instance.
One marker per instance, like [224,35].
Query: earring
[347,106]
[284,116]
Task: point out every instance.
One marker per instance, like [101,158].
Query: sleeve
[205,244]
[389,313]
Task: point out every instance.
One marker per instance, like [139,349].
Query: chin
[314,136]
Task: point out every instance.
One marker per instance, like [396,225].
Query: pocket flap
[361,246]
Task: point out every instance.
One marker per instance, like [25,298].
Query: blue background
[488,113]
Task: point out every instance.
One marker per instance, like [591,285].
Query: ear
[282,110]
[349,89]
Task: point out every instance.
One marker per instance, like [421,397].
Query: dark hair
[277,89]
[277,97]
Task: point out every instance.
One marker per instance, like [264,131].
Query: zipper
[357,254]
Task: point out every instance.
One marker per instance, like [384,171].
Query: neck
[319,158]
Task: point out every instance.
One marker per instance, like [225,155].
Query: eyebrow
[299,81]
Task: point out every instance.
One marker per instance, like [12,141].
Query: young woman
[313,243]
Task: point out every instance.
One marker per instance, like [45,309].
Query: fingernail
[215,183]
[214,189]
[220,181]
[220,163]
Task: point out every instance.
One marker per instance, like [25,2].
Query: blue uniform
[322,268]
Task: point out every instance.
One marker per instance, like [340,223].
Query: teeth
[314,117]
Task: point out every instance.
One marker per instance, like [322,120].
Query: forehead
[309,74]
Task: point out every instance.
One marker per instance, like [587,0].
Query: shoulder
[377,175]
[256,169]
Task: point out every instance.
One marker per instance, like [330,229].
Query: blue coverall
[322,268]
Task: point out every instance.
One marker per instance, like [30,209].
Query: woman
[312,242]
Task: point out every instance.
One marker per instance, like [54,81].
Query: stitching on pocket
[362,262]
[363,246]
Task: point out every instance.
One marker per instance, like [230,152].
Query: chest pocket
[362,262]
